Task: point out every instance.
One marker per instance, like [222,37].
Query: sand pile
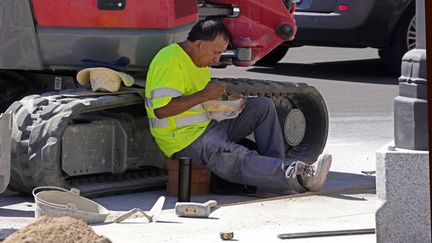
[62,229]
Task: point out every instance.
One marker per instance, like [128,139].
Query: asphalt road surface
[357,90]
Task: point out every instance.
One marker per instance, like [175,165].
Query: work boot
[303,177]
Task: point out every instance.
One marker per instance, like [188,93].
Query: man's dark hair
[208,30]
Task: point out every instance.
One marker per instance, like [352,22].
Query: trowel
[151,216]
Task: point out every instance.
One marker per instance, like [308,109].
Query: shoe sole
[323,167]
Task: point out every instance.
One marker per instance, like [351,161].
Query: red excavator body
[98,142]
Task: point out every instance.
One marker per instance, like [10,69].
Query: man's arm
[213,90]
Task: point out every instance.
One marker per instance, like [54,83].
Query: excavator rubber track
[38,127]
[302,114]
[40,122]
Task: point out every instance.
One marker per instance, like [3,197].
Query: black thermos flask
[184,180]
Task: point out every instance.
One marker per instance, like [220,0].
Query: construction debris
[61,229]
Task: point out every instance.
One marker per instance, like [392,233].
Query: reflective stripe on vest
[157,123]
[180,121]
[192,119]
[149,104]
[164,92]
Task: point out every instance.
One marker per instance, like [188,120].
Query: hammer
[194,210]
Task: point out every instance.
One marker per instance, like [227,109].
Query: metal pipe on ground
[326,233]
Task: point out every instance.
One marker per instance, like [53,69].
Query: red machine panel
[147,14]
[259,25]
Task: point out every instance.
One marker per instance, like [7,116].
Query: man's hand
[214,89]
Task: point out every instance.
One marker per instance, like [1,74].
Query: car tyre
[403,40]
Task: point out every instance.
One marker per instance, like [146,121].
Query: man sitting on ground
[178,82]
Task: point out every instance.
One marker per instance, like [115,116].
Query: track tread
[287,96]
[40,123]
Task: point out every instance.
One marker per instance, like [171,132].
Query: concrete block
[410,107]
[402,184]
[410,123]
[414,67]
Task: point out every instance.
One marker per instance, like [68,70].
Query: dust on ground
[59,229]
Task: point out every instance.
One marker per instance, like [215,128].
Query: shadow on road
[347,180]
[10,198]
[15,213]
[363,71]
[339,184]
[6,232]
[346,186]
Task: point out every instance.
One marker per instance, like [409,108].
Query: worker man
[178,82]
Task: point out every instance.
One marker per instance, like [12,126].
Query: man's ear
[198,44]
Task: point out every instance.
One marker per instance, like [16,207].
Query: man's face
[209,52]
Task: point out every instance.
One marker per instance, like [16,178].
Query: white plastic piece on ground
[57,202]
[5,147]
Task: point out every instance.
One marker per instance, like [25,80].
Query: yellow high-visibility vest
[172,73]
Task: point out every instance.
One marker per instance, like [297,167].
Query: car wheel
[403,40]
[273,57]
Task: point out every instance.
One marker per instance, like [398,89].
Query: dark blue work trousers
[217,148]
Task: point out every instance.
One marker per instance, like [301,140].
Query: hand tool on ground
[193,209]
[326,233]
[226,235]
[151,216]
